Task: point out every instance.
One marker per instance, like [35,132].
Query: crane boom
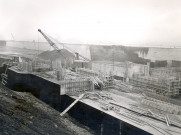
[49,41]
[56,48]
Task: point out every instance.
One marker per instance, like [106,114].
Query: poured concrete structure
[49,91]
[87,111]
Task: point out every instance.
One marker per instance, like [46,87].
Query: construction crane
[56,48]
[49,41]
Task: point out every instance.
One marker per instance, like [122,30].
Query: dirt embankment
[22,113]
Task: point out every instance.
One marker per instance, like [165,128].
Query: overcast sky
[92,21]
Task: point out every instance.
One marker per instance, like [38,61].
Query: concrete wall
[134,69]
[94,119]
[122,69]
[107,67]
[45,90]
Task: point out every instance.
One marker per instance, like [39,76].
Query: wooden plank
[167,121]
[3,83]
[68,108]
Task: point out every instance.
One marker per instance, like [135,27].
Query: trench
[99,122]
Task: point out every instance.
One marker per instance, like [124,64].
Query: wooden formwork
[74,86]
[164,106]
[107,81]
[162,98]
[160,86]
[166,72]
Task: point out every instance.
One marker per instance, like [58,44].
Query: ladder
[4,75]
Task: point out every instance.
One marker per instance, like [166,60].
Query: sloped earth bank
[22,113]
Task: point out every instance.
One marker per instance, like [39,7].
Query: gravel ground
[22,113]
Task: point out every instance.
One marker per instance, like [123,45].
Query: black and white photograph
[90,67]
